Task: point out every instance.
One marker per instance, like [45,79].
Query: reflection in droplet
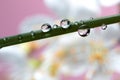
[55,26]
[46,27]
[65,23]
[83,32]
[104,27]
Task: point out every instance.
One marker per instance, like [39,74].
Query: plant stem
[35,35]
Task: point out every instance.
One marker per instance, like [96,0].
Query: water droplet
[91,18]
[104,27]
[32,34]
[4,39]
[46,27]
[76,23]
[20,38]
[84,32]
[55,26]
[65,23]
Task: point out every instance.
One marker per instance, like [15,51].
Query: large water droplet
[104,27]
[55,26]
[46,27]
[65,23]
[84,32]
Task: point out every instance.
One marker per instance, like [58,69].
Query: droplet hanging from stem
[104,27]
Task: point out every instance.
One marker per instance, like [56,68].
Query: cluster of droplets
[65,23]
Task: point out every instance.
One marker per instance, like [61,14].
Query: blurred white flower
[34,22]
[60,7]
[74,9]
[15,64]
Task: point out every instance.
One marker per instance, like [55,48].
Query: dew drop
[83,32]
[104,27]
[46,27]
[20,38]
[55,26]
[5,39]
[32,34]
[65,23]
[76,23]
[91,18]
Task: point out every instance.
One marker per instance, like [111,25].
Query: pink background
[12,12]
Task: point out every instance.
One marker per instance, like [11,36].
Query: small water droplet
[91,18]
[104,27]
[65,23]
[32,34]
[76,23]
[20,38]
[46,27]
[55,26]
[5,39]
[83,32]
